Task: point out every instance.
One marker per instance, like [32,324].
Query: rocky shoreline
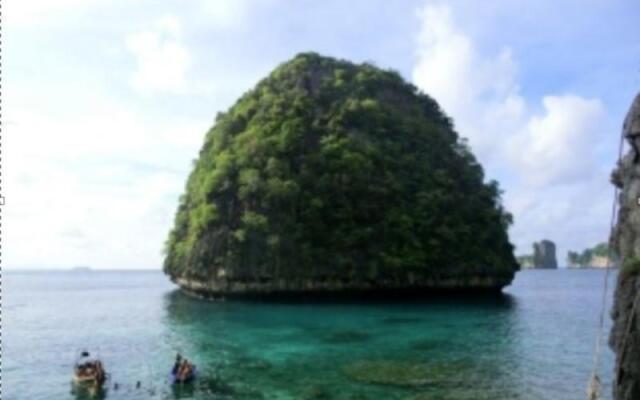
[596,262]
[339,287]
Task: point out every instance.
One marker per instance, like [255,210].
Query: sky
[106,104]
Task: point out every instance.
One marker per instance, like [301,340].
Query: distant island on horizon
[597,256]
[81,268]
[593,257]
[543,257]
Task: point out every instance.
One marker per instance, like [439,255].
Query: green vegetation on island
[631,267]
[525,261]
[329,173]
[595,257]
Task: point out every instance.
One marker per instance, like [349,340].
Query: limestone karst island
[598,256]
[543,257]
[330,176]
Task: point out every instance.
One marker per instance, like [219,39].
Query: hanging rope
[594,387]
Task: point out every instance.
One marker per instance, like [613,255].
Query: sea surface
[534,342]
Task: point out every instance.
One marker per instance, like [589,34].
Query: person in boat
[176,365]
[89,368]
[99,371]
[185,371]
[85,370]
[85,360]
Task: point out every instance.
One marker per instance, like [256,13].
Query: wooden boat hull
[87,380]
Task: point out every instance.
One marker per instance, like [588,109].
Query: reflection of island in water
[445,348]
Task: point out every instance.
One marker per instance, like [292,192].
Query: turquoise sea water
[535,342]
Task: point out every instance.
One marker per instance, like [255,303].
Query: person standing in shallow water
[631,128]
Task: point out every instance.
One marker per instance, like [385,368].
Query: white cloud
[548,156]
[92,176]
[225,13]
[559,145]
[36,12]
[479,93]
[93,184]
[162,60]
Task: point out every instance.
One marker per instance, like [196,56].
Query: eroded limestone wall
[625,334]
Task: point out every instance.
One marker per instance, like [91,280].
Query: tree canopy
[331,169]
[586,257]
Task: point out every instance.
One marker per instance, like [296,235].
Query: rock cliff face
[336,177]
[544,255]
[625,334]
